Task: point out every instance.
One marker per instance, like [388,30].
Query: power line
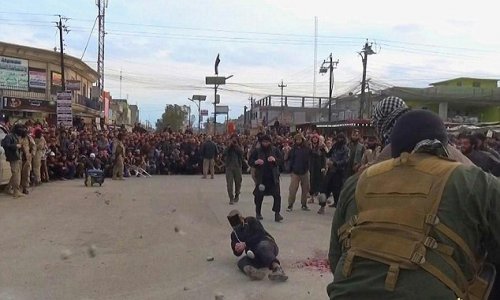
[88,41]
[347,40]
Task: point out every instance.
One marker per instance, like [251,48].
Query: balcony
[88,103]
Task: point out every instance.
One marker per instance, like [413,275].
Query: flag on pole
[217,61]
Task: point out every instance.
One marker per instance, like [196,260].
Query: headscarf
[385,115]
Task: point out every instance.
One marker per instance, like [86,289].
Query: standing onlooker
[40,150]
[356,151]
[27,151]
[334,179]
[12,148]
[299,168]
[371,153]
[317,166]
[482,159]
[483,146]
[266,160]
[233,160]
[209,152]
[286,155]
[119,156]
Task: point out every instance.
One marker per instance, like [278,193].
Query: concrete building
[289,110]
[134,114]
[31,77]
[120,112]
[459,100]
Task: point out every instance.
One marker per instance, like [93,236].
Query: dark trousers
[495,290]
[259,198]
[332,185]
[265,255]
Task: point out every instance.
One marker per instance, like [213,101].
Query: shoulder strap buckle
[417,258]
[432,219]
[430,242]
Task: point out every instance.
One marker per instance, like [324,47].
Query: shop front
[23,109]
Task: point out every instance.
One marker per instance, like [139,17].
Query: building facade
[134,114]
[459,100]
[30,79]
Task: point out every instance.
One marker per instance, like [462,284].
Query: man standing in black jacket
[338,159]
[260,248]
[266,161]
[299,167]
[12,146]
[209,152]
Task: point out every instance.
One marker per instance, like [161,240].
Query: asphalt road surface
[149,238]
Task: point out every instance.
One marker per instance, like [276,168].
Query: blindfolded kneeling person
[250,238]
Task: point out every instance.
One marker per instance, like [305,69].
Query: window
[476,84]
[459,83]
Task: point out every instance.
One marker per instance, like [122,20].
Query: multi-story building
[459,100]
[121,113]
[134,114]
[31,77]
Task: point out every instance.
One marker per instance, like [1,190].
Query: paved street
[45,240]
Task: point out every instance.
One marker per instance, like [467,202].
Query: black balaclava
[414,127]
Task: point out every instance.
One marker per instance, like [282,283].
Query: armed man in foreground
[418,226]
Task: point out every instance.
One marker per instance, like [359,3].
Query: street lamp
[322,70]
[198,98]
[216,81]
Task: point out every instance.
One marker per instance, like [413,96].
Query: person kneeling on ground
[260,248]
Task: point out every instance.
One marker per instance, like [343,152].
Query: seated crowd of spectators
[158,153]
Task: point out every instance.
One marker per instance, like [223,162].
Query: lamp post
[198,98]
[216,81]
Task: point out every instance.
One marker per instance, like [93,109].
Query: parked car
[5,173]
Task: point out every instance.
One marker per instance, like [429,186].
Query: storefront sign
[64,110]
[73,85]
[13,73]
[28,105]
[56,78]
[204,112]
[38,79]
[223,109]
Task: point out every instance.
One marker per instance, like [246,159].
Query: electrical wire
[88,41]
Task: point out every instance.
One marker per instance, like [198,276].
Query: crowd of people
[318,164]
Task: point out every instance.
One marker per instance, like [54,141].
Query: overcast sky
[165,48]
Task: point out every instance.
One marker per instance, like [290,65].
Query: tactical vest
[396,220]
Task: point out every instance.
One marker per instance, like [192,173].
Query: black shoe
[305,208]
[26,192]
[259,217]
[278,218]
[289,209]
[236,198]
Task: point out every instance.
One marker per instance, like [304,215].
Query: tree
[173,117]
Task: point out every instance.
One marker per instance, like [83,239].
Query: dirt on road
[149,238]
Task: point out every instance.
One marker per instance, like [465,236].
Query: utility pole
[315,56]
[121,83]
[331,66]
[367,50]
[282,86]
[62,28]
[251,99]
[101,6]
